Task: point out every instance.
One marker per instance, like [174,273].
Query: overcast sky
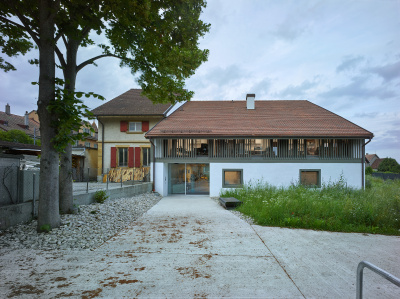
[343,55]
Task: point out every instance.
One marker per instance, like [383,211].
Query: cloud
[289,31]
[261,88]
[297,90]
[349,63]
[388,72]
[357,89]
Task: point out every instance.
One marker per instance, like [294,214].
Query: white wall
[284,174]
[277,174]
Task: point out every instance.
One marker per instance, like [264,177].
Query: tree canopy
[17,136]
[389,165]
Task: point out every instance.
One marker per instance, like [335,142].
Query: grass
[334,207]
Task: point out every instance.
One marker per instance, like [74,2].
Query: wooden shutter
[137,156]
[124,126]
[145,126]
[130,157]
[113,157]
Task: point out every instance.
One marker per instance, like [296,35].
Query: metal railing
[377,270]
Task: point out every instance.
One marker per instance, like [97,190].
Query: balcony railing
[269,149]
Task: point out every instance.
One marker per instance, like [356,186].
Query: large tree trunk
[65,180]
[66,188]
[48,215]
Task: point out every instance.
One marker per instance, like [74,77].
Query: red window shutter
[113,157]
[124,126]
[130,157]
[145,126]
[137,156]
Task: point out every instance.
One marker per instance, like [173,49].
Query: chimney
[8,109]
[26,123]
[250,101]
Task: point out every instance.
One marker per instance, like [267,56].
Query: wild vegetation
[334,207]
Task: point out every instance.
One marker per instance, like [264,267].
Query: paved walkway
[190,247]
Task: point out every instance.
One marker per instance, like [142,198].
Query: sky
[343,55]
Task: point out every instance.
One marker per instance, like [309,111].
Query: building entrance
[185,178]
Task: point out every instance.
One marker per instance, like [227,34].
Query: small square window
[310,177]
[232,178]
[135,126]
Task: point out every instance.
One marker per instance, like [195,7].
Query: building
[373,160]
[123,151]
[206,146]
[84,155]
[29,123]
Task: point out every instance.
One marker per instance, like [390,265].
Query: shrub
[100,196]
[369,170]
[389,165]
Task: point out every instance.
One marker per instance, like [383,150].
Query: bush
[369,170]
[100,196]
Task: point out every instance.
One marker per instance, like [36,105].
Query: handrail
[375,269]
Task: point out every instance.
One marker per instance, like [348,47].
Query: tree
[159,39]
[17,136]
[389,165]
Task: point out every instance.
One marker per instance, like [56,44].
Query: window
[95,145]
[310,177]
[87,144]
[146,156]
[123,156]
[135,126]
[232,178]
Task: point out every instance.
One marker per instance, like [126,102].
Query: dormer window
[135,126]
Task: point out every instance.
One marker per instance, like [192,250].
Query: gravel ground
[92,226]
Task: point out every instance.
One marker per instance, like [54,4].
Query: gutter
[363,164]
[102,145]
[154,164]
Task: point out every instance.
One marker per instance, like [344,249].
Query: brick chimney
[250,101]
[8,109]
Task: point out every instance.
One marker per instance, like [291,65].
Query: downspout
[154,163]
[102,146]
[363,164]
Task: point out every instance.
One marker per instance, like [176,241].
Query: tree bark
[48,214]
[65,180]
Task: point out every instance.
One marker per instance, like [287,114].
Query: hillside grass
[333,207]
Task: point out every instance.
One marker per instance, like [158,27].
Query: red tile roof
[15,122]
[376,163]
[268,119]
[131,103]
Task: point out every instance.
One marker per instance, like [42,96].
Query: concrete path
[190,247]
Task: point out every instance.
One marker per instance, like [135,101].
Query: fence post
[33,198]
[121,177]
[87,181]
[107,177]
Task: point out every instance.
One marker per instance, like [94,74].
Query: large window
[232,178]
[123,156]
[146,156]
[310,177]
[135,126]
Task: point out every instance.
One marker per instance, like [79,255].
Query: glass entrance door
[189,178]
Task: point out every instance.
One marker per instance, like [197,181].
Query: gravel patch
[88,229]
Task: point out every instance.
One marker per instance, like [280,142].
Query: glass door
[189,178]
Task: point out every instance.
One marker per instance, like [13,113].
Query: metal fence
[386,176]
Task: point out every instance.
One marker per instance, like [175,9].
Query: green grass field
[334,207]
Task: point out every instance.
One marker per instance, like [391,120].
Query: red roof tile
[268,119]
[15,122]
[130,103]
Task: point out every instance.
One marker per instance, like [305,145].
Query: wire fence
[22,185]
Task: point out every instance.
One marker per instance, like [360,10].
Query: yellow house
[123,151]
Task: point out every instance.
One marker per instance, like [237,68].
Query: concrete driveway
[190,247]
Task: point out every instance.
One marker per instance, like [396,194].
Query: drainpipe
[154,163]
[102,145]
[363,164]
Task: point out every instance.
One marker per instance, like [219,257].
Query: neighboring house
[84,155]
[123,151]
[28,123]
[373,161]
[206,146]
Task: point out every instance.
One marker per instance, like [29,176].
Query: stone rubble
[88,229]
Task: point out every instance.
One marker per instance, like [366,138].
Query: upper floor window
[87,144]
[135,126]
